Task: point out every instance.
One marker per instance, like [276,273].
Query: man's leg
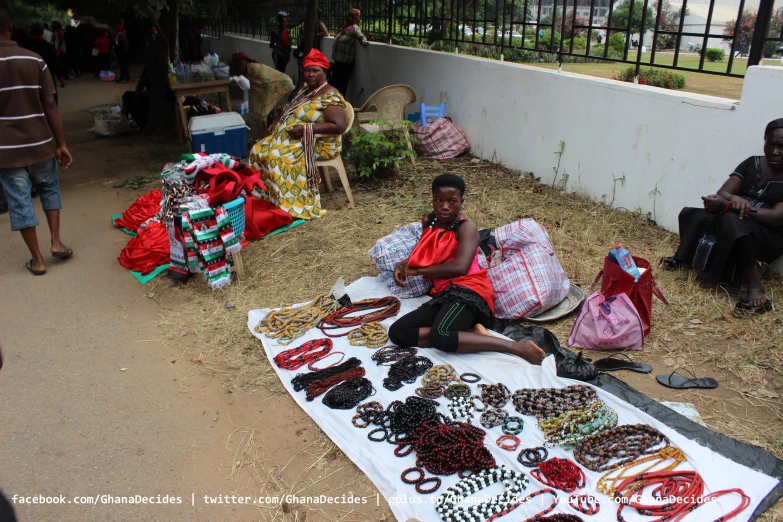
[17,185]
[44,176]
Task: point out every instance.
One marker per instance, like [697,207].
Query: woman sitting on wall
[743,222]
[456,318]
[287,158]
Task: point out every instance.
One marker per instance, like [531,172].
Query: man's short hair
[5,21]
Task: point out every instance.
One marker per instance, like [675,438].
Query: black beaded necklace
[406,370]
[348,394]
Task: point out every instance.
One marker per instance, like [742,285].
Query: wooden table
[183,90]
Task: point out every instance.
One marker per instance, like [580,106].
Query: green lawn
[723,86]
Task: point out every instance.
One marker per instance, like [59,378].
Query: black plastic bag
[568,364]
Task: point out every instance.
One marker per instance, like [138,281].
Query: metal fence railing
[659,33]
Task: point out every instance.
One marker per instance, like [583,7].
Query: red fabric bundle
[140,211]
[226,185]
[262,217]
[147,251]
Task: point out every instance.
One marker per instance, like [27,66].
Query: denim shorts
[17,185]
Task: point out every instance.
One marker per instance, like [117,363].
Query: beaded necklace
[683,489]
[287,324]
[461,408]
[493,417]
[568,428]
[608,482]
[406,370]
[624,443]
[391,354]
[303,380]
[499,505]
[561,474]
[457,390]
[538,517]
[550,402]
[307,353]
[322,386]
[348,393]
[444,448]
[383,307]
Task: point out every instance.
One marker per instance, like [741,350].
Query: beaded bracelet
[473,399]
[493,417]
[457,390]
[371,335]
[495,395]
[433,489]
[431,390]
[532,456]
[418,479]
[587,504]
[508,447]
[472,380]
[513,425]
[378,430]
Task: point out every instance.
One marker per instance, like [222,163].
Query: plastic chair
[389,103]
[337,161]
[432,112]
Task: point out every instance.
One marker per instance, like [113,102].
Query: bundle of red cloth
[261,217]
[140,211]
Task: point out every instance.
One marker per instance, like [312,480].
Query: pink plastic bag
[607,323]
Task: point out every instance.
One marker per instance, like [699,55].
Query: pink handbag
[607,323]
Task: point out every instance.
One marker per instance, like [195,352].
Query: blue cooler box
[224,132]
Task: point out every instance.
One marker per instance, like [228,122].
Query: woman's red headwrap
[316,58]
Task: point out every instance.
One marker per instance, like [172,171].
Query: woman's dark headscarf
[773,125]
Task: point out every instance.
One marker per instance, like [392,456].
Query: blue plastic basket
[236,213]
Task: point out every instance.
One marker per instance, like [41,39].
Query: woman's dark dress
[768,241]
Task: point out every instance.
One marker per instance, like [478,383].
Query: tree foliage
[23,12]
[622,12]
[747,25]
[569,23]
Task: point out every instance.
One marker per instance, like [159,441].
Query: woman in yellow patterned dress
[287,158]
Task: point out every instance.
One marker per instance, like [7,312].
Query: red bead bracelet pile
[560,473]
[307,353]
[445,449]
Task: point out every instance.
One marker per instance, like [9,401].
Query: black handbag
[702,257]
[569,365]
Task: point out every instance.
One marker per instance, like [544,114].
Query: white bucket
[220,72]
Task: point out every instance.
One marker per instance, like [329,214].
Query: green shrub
[617,43]
[715,55]
[770,49]
[378,153]
[580,43]
[547,37]
[655,77]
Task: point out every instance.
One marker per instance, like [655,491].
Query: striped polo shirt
[25,136]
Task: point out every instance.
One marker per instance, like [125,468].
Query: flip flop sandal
[621,361]
[64,254]
[683,382]
[748,308]
[29,266]
[671,264]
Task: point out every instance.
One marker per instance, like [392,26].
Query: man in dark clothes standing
[42,48]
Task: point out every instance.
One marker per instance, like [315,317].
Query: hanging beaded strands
[287,324]
[370,332]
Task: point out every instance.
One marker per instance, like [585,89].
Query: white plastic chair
[337,161]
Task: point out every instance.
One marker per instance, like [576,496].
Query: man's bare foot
[61,251]
[529,351]
[481,330]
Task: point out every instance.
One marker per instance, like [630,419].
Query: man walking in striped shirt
[32,144]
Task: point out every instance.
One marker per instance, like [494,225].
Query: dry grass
[697,330]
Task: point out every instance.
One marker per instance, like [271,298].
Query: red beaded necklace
[560,473]
[384,307]
[307,353]
[319,387]
[684,488]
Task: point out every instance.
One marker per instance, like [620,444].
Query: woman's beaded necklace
[287,324]
[495,395]
[550,402]
[308,352]
[391,354]
[568,428]
[344,317]
[608,482]
[371,335]
[406,370]
[561,474]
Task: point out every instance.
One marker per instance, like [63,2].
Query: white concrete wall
[684,144]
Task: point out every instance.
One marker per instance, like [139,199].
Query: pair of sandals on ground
[675,380]
[743,307]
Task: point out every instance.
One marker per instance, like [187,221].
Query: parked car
[467,31]
[480,31]
[512,35]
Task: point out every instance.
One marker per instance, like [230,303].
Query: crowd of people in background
[74,51]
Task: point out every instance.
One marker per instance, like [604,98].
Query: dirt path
[91,403]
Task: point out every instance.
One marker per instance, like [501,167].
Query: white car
[512,34]
[467,31]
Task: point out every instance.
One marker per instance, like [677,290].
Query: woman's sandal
[621,361]
[748,308]
[682,382]
[671,264]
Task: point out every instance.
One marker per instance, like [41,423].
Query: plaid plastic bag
[440,139]
[392,249]
[530,279]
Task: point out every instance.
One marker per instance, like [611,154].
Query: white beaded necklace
[514,481]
